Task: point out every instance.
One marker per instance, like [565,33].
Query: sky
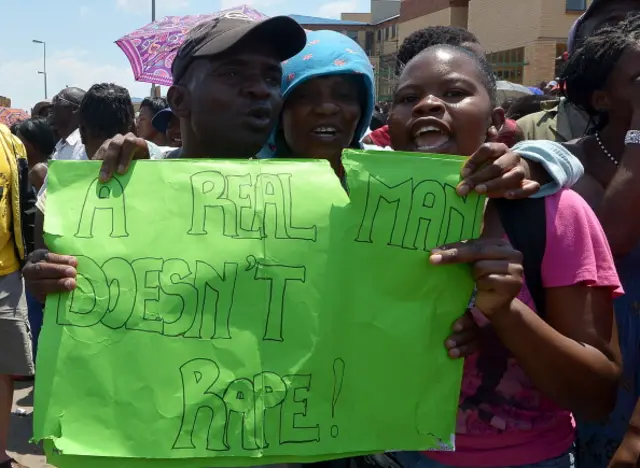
[81,35]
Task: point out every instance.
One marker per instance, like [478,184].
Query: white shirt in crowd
[70,148]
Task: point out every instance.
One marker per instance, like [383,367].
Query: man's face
[234,100]
[610,13]
[145,128]
[62,112]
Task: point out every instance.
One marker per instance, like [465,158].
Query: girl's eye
[409,99]
[456,93]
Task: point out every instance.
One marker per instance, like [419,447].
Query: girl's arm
[573,358]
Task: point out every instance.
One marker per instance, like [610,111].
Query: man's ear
[496,124]
[179,99]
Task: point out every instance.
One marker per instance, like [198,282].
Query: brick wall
[541,62]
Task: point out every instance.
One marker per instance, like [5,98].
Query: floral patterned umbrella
[9,116]
[151,49]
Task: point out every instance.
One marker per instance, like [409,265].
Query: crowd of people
[551,338]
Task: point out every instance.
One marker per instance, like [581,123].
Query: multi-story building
[5,101]
[523,38]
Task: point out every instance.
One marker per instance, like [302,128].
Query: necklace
[606,151]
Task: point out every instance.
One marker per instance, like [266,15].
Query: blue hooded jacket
[327,53]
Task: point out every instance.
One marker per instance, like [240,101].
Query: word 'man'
[246,406]
[237,205]
[427,214]
[173,298]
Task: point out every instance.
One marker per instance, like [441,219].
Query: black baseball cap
[218,35]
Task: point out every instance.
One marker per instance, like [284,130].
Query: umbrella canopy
[9,116]
[508,90]
[151,49]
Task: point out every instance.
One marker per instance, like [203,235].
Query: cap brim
[161,120]
[283,33]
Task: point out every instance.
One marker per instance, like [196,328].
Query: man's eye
[455,93]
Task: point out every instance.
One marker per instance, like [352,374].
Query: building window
[352,34]
[576,5]
[379,35]
[386,33]
[394,31]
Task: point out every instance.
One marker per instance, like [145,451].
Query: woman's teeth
[429,138]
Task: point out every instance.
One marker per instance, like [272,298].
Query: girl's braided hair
[589,67]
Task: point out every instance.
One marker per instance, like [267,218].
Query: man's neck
[64,134]
[196,152]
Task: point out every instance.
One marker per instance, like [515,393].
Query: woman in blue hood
[328,100]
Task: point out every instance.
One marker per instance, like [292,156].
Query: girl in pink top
[530,373]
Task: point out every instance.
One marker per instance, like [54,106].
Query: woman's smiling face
[321,116]
[443,104]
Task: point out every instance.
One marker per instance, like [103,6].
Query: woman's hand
[47,273]
[496,268]
[117,153]
[464,340]
[498,172]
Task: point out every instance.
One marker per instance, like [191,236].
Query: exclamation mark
[338,377]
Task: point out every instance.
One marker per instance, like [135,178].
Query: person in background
[64,118]
[42,109]
[168,124]
[16,359]
[106,110]
[526,105]
[602,80]
[534,366]
[560,120]
[39,139]
[148,109]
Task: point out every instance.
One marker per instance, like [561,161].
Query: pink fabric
[503,419]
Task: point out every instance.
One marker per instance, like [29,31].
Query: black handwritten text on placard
[244,406]
[246,209]
[120,294]
[428,213]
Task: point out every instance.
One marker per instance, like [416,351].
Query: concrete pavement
[20,433]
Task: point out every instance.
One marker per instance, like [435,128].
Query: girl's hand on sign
[463,341]
[48,273]
[498,172]
[117,153]
[496,268]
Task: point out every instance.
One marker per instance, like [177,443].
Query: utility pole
[44,69]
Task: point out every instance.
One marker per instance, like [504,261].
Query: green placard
[234,313]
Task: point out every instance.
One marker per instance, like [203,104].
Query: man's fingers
[497,187]
[109,153]
[61,259]
[485,154]
[53,286]
[46,271]
[528,189]
[475,251]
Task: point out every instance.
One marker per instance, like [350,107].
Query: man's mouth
[430,138]
[260,116]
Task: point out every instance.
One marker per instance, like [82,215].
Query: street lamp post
[153,18]
[44,69]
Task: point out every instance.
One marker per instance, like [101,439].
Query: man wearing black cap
[226,89]
[226,93]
